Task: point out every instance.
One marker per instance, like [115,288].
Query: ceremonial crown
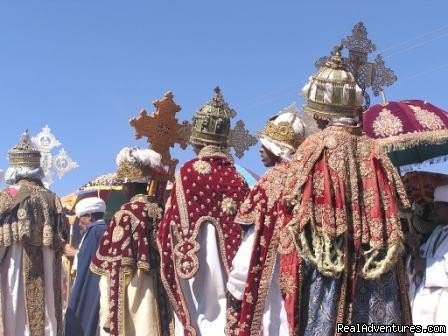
[137,165]
[286,129]
[211,123]
[25,153]
[332,91]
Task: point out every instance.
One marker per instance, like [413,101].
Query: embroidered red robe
[345,221]
[264,208]
[206,189]
[129,245]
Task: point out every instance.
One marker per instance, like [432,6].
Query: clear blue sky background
[86,67]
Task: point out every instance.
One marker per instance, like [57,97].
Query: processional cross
[163,131]
[367,74]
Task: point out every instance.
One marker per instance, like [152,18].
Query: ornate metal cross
[368,74]
[164,131]
[59,163]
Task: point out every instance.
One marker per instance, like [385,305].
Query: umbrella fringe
[410,140]
[415,166]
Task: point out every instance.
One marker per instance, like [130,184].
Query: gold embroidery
[283,133]
[330,142]
[387,124]
[117,234]
[21,213]
[202,167]
[249,298]
[34,288]
[287,285]
[318,184]
[427,118]
[215,151]
[154,211]
[229,206]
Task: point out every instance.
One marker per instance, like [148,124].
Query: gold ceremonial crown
[332,91]
[133,172]
[211,123]
[282,132]
[24,154]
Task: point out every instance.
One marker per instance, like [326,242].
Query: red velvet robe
[264,208]
[206,189]
[127,245]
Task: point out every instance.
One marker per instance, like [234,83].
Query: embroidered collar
[140,198]
[215,151]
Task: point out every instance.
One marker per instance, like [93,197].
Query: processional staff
[163,131]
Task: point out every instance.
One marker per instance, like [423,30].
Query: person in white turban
[132,299]
[82,314]
[431,268]
[253,304]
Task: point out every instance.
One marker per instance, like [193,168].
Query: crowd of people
[321,241]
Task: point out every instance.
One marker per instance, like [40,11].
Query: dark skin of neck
[321,123]
[197,149]
[131,189]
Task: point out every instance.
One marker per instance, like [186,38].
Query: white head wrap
[138,163]
[14,174]
[90,205]
[441,194]
[288,115]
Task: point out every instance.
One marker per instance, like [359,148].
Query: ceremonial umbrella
[106,187]
[411,131]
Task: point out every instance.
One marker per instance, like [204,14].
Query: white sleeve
[436,272]
[240,265]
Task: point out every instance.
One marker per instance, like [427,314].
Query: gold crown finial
[211,123]
[336,61]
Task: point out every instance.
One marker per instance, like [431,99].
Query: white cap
[283,147]
[441,194]
[137,165]
[90,205]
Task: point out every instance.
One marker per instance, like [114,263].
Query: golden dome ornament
[333,90]
[211,123]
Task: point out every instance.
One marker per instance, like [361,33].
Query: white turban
[136,165]
[90,205]
[279,148]
[14,174]
[441,194]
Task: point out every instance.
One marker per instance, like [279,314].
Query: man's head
[89,210]
[24,161]
[268,158]
[333,91]
[441,204]
[281,136]
[197,148]
[130,189]
[321,123]
[211,123]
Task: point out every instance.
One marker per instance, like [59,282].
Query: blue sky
[86,67]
